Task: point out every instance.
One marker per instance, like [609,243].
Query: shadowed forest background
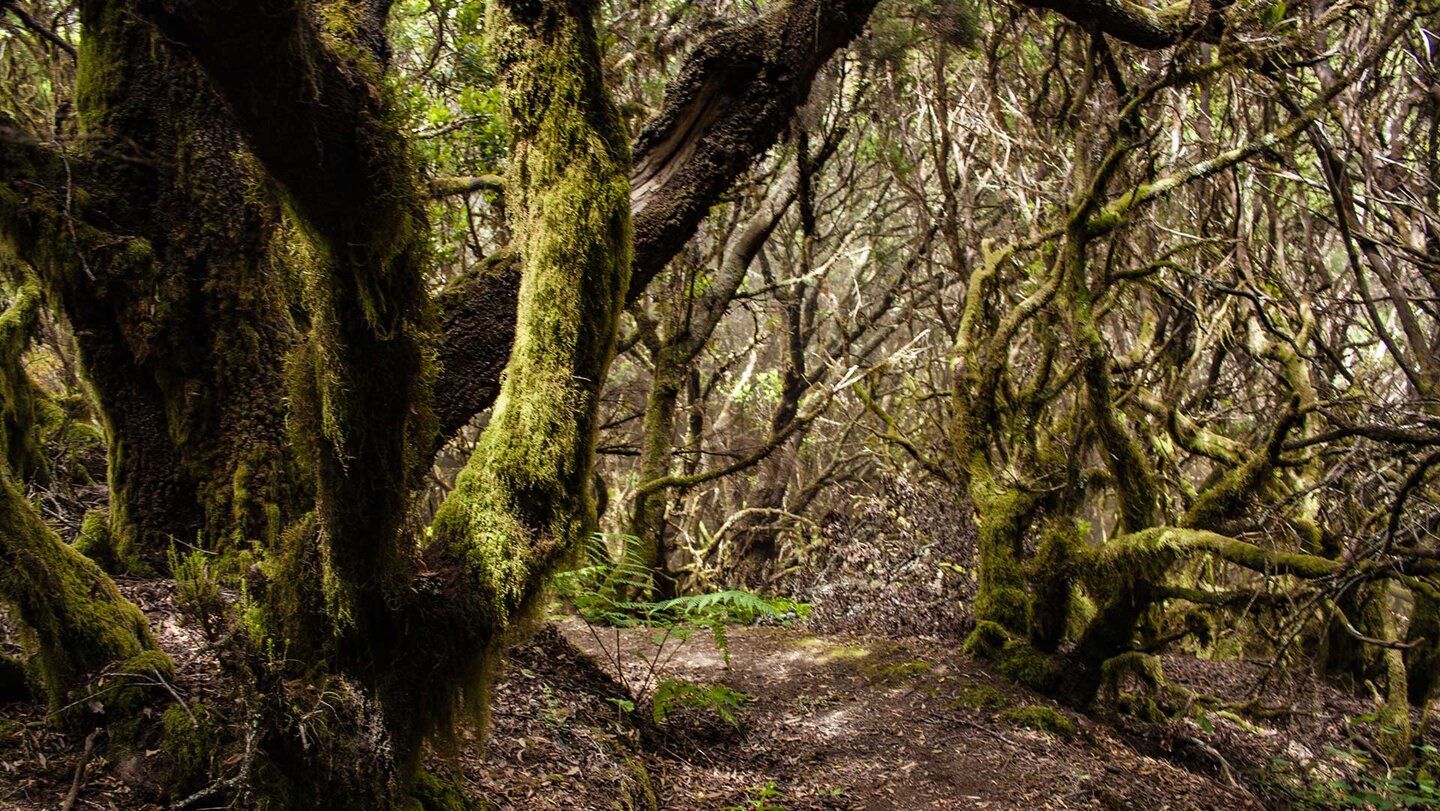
[697,404]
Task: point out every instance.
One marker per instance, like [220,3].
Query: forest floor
[851,722]
[829,721]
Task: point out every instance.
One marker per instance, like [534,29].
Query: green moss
[21,401]
[1001,596]
[1007,606]
[983,697]
[360,391]
[637,793]
[95,542]
[1082,612]
[1157,699]
[77,618]
[1028,666]
[1016,658]
[647,522]
[1125,575]
[1052,573]
[887,673]
[430,793]
[1129,465]
[1142,667]
[986,641]
[1042,719]
[126,692]
[1143,707]
[1226,499]
[191,739]
[1145,557]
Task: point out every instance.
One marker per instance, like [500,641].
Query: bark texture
[732,101]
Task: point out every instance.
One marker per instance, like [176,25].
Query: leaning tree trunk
[524,501]
[75,618]
[79,622]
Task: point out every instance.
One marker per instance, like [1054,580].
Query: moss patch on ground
[1042,719]
[983,697]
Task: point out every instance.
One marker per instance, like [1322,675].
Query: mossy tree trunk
[657,445]
[20,439]
[524,501]
[73,618]
[153,238]
[360,380]
[78,623]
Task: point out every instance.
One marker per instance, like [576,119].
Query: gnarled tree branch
[731,101]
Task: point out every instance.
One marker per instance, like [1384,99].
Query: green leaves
[600,593]
[672,694]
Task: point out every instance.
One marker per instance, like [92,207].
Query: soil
[829,721]
[852,722]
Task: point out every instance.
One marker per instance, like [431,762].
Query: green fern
[672,694]
[601,594]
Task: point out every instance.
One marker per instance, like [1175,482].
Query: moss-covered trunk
[523,502]
[77,621]
[204,330]
[154,240]
[20,439]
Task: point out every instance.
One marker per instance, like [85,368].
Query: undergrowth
[1414,785]
[609,594]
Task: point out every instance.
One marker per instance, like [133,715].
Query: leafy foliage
[197,592]
[1416,785]
[609,591]
[673,694]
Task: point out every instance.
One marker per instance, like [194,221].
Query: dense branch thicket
[383,308]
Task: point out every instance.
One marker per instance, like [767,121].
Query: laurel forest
[699,404]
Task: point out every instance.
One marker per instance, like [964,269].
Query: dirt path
[832,722]
[853,723]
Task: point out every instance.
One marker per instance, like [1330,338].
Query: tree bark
[360,383]
[657,443]
[732,100]
[154,239]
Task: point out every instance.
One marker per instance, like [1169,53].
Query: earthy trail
[832,721]
[839,722]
